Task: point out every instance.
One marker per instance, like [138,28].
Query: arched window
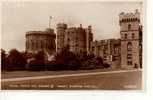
[125,36]
[129,46]
[129,26]
[133,36]
[116,50]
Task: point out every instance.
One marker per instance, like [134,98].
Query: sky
[20,17]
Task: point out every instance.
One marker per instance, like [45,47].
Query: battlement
[75,29]
[70,29]
[105,42]
[129,17]
[62,26]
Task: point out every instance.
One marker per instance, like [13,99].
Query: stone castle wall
[108,50]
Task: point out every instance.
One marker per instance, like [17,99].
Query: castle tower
[89,39]
[61,29]
[130,39]
[75,39]
[41,41]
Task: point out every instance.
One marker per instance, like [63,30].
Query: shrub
[36,65]
[73,64]
[106,65]
[40,55]
[90,63]
[66,60]
[100,60]
[50,65]
[3,58]
[15,60]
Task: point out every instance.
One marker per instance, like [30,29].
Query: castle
[125,52]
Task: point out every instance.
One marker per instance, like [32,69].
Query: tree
[40,55]
[15,60]
[38,63]
[66,60]
[100,60]
[3,58]
[106,65]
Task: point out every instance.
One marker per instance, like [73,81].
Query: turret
[61,29]
[129,21]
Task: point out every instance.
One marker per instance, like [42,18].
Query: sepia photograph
[72,45]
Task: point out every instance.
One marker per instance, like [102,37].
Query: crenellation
[129,17]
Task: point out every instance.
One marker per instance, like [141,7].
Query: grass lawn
[17,74]
[112,81]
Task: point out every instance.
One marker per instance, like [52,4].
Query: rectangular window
[129,62]
[92,48]
[125,36]
[133,36]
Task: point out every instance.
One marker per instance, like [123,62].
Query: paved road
[114,80]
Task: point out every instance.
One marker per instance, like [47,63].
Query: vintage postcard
[72,45]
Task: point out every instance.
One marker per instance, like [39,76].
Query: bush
[106,65]
[36,65]
[100,60]
[15,60]
[66,60]
[91,64]
[73,64]
[51,65]
[40,55]
[3,58]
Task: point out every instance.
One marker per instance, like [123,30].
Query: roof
[48,31]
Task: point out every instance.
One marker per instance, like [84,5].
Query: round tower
[40,40]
